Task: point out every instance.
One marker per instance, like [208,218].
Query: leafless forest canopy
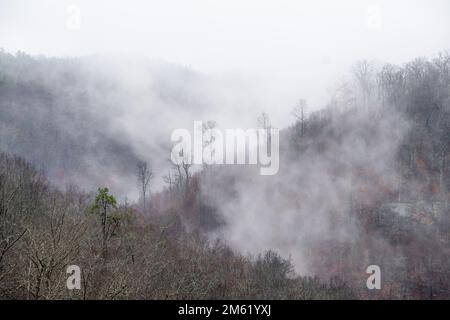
[364,180]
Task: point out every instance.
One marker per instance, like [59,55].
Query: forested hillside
[44,230]
[363,181]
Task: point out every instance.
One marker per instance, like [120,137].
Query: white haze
[235,59]
[307,202]
[286,49]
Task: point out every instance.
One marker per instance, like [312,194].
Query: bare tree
[144,175]
[183,174]
[186,166]
[264,121]
[299,112]
[169,179]
[363,73]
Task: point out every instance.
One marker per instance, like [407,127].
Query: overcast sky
[298,47]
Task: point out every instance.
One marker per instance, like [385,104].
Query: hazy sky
[296,48]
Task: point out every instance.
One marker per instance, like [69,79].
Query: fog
[311,201]
[292,48]
[111,86]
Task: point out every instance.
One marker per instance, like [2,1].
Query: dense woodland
[363,181]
